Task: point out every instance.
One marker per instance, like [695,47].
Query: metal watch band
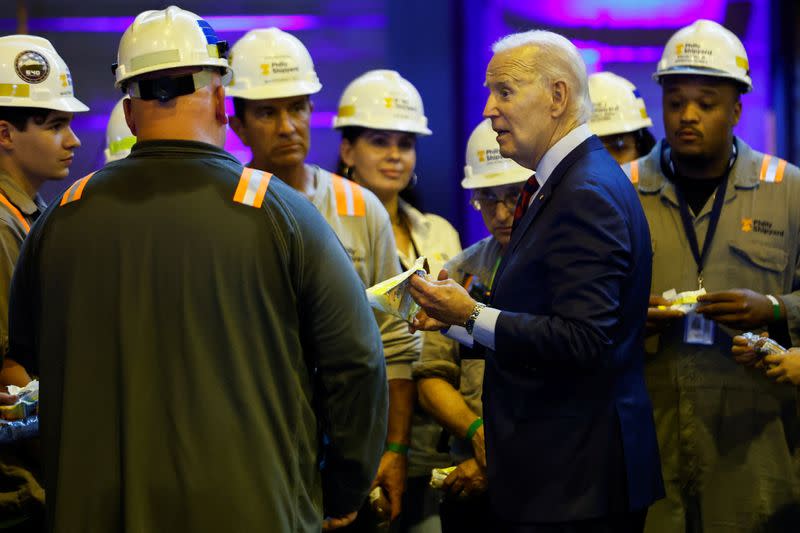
[470,323]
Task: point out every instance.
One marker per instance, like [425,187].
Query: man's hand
[468,479]
[336,523]
[787,366]
[658,319]
[737,308]
[443,300]
[7,399]
[392,478]
[744,354]
[422,322]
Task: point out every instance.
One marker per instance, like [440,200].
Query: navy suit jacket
[569,424]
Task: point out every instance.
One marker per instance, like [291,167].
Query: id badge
[697,329]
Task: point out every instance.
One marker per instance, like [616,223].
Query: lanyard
[14,211]
[699,255]
[494,272]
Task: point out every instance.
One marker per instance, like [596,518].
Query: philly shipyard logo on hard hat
[31,66]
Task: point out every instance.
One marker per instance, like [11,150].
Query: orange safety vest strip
[772,169]
[634,172]
[75,190]
[349,198]
[16,212]
[252,187]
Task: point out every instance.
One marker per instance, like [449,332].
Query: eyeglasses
[489,200]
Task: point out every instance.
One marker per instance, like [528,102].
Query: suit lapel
[541,198]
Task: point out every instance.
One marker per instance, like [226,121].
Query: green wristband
[397,447]
[473,428]
[776,307]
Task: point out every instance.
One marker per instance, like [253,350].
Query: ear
[310,105]
[560,95]
[737,111]
[347,153]
[238,128]
[7,132]
[219,105]
[126,106]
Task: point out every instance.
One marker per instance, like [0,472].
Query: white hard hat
[485,166]
[119,138]
[32,74]
[382,100]
[270,63]
[617,105]
[708,49]
[166,39]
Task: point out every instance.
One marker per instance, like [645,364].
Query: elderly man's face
[519,107]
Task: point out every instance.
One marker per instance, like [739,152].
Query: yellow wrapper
[438,475]
[392,296]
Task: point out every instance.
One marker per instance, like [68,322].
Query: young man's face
[45,151]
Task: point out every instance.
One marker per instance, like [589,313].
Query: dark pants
[464,516]
[632,522]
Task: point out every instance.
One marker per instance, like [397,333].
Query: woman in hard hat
[380,116]
[450,376]
[619,117]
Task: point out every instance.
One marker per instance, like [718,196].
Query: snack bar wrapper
[392,296]
[438,475]
[682,301]
[20,421]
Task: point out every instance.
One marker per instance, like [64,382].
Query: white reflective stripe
[252,187]
[772,169]
[348,195]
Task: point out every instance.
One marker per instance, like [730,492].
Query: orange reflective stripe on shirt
[772,169]
[16,212]
[75,190]
[634,172]
[252,187]
[349,198]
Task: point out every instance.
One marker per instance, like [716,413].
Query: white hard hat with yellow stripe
[169,39]
[270,63]
[617,106]
[32,74]
[485,166]
[119,138]
[382,100]
[708,49]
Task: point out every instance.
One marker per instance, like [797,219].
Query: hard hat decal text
[490,155]
[32,66]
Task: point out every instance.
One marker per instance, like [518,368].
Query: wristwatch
[473,316]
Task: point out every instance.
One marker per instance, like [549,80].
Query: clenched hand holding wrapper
[392,296]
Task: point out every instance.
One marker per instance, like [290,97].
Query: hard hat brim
[745,81]
[496,179]
[602,130]
[67,104]
[390,125]
[275,90]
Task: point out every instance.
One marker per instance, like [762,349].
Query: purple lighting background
[442,47]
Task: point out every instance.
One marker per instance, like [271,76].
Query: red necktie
[528,190]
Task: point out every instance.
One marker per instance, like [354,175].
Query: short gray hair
[556,58]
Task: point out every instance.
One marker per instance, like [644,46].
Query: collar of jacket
[17,196]
[171,148]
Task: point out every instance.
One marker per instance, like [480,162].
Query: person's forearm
[446,405]
[401,405]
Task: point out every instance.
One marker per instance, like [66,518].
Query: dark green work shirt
[190,345]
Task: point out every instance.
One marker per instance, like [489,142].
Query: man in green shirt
[217,335]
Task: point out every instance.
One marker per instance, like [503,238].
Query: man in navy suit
[570,440]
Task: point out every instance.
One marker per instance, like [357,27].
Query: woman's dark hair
[351,134]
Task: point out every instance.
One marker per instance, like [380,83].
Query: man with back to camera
[723,217]
[219,330]
[570,442]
